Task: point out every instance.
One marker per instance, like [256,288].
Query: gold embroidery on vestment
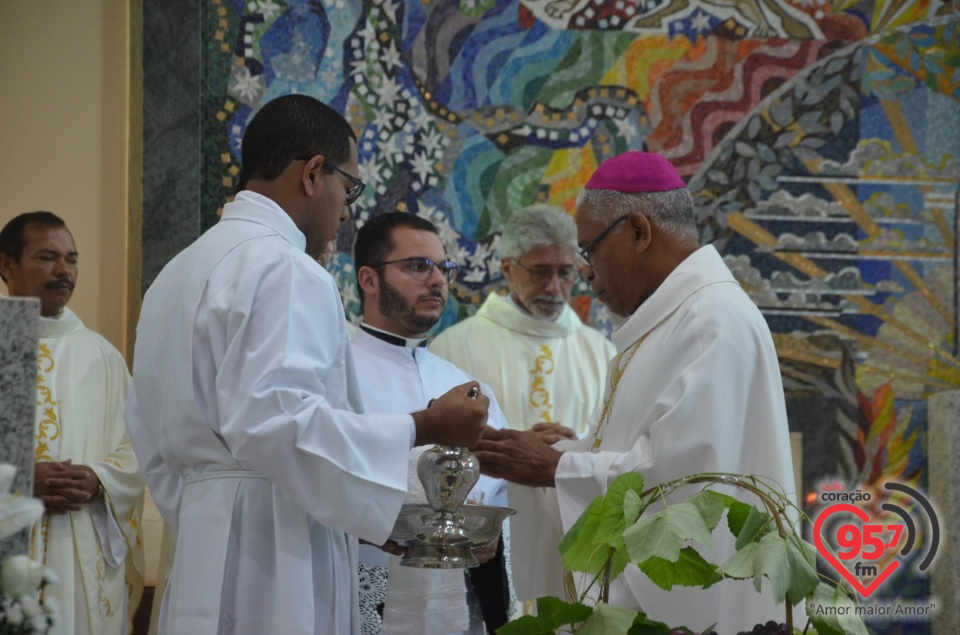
[543,365]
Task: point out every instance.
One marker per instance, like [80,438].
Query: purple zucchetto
[636,172]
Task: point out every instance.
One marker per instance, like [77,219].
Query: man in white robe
[401,301]
[244,403]
[85,470]
[697,382]
[544,364]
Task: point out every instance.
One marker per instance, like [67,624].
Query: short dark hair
[12,236]
[291,126]
[375,239]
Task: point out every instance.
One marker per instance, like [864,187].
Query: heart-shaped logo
[842,570]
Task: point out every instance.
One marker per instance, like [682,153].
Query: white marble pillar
[943,446]
[19,321]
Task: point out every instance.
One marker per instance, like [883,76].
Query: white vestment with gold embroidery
[81,387]
[540,371]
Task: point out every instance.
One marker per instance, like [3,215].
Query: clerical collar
[390,338]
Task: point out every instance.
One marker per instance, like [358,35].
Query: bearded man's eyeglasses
[541,274]
[422,268]
[354,192]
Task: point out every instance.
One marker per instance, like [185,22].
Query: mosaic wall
[821,142]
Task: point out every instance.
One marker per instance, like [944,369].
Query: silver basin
[482,523]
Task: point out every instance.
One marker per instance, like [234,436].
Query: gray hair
[671,211]
[536,226]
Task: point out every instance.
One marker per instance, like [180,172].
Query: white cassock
[243,414]
[400,378]
[540,371]
[702,394]
[82,383]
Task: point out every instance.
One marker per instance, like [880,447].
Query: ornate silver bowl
[435,541]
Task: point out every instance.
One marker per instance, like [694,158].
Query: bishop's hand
[519,457]
[550,433]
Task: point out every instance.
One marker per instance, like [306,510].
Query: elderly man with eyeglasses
[544,364]
[695,385]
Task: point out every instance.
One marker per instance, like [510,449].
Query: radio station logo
[864,548]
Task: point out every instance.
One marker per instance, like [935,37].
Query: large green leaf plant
[613,534]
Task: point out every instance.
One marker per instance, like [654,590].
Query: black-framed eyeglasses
[354,192]
[586,252]
[542,274]
[422,268]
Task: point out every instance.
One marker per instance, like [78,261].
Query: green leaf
[613,518]
[527,625]
[755,526]
[711,506]
[552,613]
[560,612]
[644,626]
[832,612]
[743,564]
[690,569]
[579,550]
[619,561]
[607,619]
[737,516]
[632,507]
[663,533]
[789,569]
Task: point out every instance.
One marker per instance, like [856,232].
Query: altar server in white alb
[244,404]
[545,365]
[403,274]
[85,471]
[695,385]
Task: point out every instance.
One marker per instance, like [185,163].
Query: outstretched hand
[519,457]
[457,418]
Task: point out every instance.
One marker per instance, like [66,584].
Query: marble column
[171,131]
[943,443]
[19,321]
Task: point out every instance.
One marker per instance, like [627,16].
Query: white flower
[39,622]
[14,614]
[31,607]
[21,575]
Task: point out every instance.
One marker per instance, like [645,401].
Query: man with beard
[85,471]
[543,363]
[403,274]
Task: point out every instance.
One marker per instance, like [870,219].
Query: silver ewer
[442,534]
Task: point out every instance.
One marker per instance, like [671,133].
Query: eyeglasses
[541,274]
[586,252]
[422,268]
[354,192]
